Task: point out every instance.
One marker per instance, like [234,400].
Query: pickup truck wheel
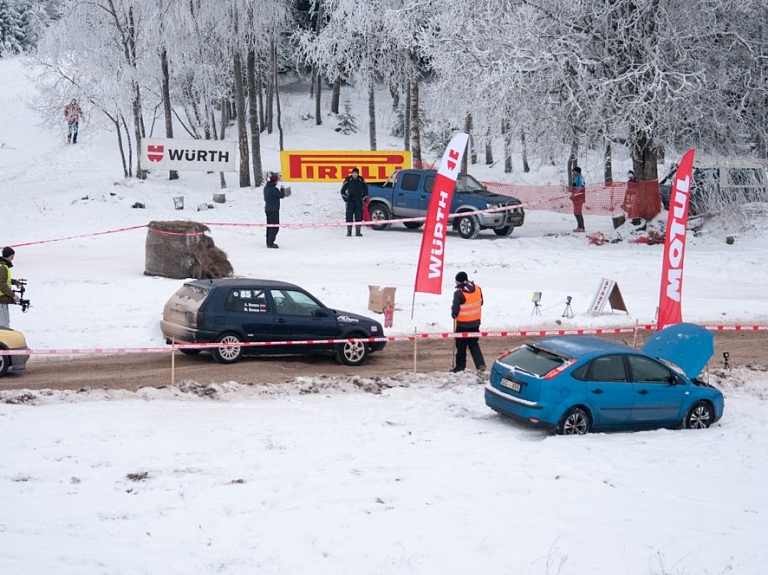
[505,231]
[413,225]
[379,213]
[468,227]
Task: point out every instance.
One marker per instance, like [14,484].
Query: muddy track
[155,370]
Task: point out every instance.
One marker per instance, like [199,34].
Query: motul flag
[429,273]
[674,246]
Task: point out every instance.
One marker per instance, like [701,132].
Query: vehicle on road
[718,182]
[580,383]
[12,340]
[235,311]
[406,194]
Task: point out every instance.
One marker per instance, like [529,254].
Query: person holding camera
[7,295]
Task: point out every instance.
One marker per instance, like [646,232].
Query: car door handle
[280,320]
[597,391]
[643,392]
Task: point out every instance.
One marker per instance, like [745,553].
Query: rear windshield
[190,296]
[533,360]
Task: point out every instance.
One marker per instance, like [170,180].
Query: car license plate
[513,385]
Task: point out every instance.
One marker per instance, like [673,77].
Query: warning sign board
[607,292]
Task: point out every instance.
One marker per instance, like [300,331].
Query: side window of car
[429,183]
[410,182]
[607,368]
[246,300]
[646,370]
[291,302]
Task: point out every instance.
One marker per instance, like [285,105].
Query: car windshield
[466,183]
[533,360]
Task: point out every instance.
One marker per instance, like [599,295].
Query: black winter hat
[461,277]
[8,251]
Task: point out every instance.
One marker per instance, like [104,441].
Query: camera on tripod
[24,303]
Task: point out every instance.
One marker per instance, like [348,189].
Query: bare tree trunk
[242,132]
[407,117]
[277,94]
[172,174]
[317,79]
[394,92]
[130,146]
[573,158]
[415,128]
[318,100]
[608,163]
[253,119]
[270,101]
[224,122]
[488,151]
[470,142]
[137,126]
[336,95]
[507,133]
[526,167]
[371,108]
[260,90]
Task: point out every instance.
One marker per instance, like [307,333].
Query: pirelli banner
[334,166]
[189,155]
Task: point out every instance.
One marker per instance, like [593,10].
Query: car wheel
[190,351]
[379,213]
[505,231]
[352,353]
[413,225]
[575,421]
[229,354]
[468,227]
[700,416]
[5,361]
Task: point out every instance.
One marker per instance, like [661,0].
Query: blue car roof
[581,345]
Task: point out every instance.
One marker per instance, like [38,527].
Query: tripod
[568,312]
[536,298]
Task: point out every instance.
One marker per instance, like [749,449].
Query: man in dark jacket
[353,191]
[6,287]
[466,311]
[272,197]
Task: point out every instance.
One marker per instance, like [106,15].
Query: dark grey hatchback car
[240,310]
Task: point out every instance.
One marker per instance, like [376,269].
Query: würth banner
[334,166]
[429,273]
[671,296]
[189,155]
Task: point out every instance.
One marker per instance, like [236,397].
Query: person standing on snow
[272,197]
[72,114]
[354,190]
[466,311]
[7,295]
[578,197]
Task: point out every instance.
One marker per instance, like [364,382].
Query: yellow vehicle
[12,340]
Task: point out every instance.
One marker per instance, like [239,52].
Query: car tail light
[565,365]
[200,318]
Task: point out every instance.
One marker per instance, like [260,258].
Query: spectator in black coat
[353,191]
[272,197]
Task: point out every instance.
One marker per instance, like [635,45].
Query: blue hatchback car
[578,383]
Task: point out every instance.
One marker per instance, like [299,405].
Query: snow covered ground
[333,475]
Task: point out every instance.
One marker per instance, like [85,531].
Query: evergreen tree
[11,29]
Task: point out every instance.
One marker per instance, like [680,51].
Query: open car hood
[686,345]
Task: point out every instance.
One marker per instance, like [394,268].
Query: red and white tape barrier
[412,337]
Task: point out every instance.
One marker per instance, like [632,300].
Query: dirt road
[133,371]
